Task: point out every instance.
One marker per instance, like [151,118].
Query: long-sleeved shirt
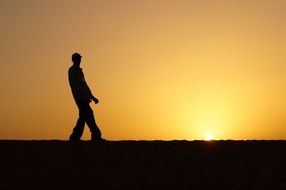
[79,87]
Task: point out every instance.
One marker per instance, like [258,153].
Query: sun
[209,136]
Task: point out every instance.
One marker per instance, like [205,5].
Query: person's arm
[80,89]
[88,93]
[85,90]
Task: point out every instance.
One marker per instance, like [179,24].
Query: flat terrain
[143,165]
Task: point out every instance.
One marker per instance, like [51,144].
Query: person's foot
[73,138]
[96,136]
[98,139]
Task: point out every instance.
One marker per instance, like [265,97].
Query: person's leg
[78,129]
[90,121]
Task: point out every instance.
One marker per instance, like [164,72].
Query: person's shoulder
[73,68]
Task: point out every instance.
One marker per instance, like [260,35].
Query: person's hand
[95,100]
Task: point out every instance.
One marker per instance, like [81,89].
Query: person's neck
[77,64]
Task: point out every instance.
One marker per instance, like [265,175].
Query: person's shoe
[98,139]
[72,138]
[95,136]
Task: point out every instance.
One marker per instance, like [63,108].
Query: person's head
[76,58]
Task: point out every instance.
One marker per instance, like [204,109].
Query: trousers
[85,116]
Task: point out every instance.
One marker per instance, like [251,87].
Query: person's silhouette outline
[82,96]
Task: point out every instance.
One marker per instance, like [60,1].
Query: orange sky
[162,69]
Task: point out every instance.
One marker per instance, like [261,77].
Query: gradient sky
[162,69]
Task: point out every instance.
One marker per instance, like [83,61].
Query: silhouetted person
[82,96]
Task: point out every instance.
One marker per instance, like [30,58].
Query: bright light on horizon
[209,136]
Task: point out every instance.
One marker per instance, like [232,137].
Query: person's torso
[76,76]
[78,84]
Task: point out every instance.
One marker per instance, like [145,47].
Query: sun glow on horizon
[209,136]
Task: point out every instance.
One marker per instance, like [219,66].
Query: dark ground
[143,165]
